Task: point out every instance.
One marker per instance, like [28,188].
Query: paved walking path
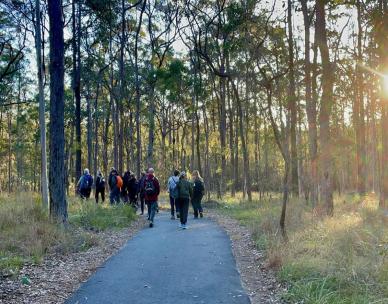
[167,265]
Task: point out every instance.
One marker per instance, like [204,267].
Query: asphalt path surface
[168,265]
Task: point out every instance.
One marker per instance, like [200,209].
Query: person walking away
[185,192]
[85,184]
[115,184]
[125,188]
[100,186]
[151,191]
[198,192]
[173,193]
[142,194]
[132,189]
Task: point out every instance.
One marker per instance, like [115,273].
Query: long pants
[100,191]
[174,205]
[152,206]
[85,193]
[196,202]
[142,204]
[183,204]
[114,196]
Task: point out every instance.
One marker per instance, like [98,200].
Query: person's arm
[79,181]
[168,184]
[191,189]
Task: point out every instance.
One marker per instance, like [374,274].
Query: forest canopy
[259,96]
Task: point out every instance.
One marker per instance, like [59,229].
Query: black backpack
[149,187]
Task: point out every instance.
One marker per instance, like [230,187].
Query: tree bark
[77,85]
[138,96]
[58,204]
[326,108]
[292,103]
[311,109]
[359,111]
[42,118]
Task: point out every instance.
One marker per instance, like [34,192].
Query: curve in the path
[167,265]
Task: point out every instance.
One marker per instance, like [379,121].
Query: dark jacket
[112,180]
[198,189]
[126,179]
[100,182]
[153,197]
[132,188]
[185,189]
[141,186]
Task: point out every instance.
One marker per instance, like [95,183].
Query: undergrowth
[339,259]
[27,234]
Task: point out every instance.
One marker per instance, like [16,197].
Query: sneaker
[180,225]
[172,217]
[184,226]
[201,214]
[151,224]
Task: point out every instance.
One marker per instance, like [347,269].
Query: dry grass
[343,259]
[27,234]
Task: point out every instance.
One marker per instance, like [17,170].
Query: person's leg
[96,195]
[185,210]
[178,203]
[200,209]
[88,193]
[172,207]
[112,196]
[142,205]
[148,209]
[153,206]
[102,194]
[118,195]
[194,202]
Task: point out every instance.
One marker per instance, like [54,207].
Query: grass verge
[27,234]
[342,259]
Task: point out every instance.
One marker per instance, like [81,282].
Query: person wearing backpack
[141,193]
[151,193]
[132,188]
[198,192]
[125,188]
[115,184]
[185,192]
[100,187]
[85,184]
[173,193]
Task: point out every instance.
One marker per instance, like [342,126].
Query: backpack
[119,181]
[149,187]
[100,182]
[173,189]
[86,182]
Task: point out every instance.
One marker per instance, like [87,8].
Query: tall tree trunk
[311,108]
[359,112]
[292,103]
[77,85]
[247,178]
[58,204]
[383,45]
[138,100]
[42,119]
[9,151]
[326,108]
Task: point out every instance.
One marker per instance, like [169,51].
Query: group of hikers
[146,190]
